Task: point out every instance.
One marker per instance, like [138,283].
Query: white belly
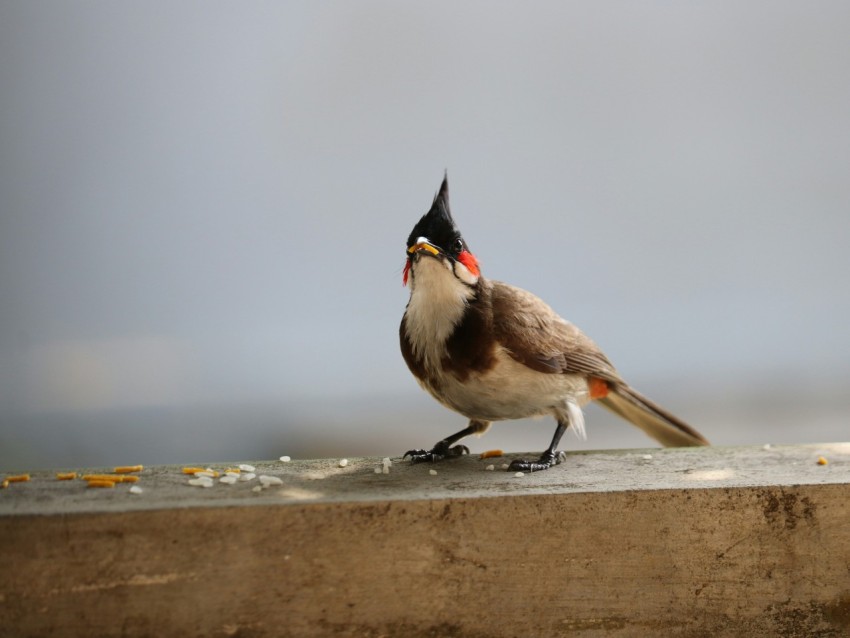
[510,390]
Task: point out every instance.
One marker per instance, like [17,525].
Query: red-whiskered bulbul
[493,352]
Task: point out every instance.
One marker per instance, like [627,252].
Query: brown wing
[537,337]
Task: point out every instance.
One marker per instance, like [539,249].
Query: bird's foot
[439,452]
[546,460]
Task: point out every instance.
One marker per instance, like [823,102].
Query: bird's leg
[549,458]
[443,449]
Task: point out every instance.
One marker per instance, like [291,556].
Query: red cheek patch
[406,273]
[469,260]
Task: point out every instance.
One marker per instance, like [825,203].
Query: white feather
[437,303]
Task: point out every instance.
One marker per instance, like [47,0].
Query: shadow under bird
[494,352]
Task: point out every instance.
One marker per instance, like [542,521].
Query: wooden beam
[691,542]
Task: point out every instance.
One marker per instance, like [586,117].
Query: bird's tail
[657,422]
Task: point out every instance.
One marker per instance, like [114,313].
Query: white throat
[438,300]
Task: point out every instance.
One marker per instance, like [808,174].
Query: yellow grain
[126,469]
[489,454]
[19,478]
[192,470]
[66,476]
[101,483]
[822,461]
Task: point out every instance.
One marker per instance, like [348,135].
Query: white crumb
[233,474]
[647,457]
[257,488]
[203,481]
[518,474]
[387,461]
[248,476]
[766,446]
[504,466]
[377,470]
[228,479]
[206,473]
[269,480]
[385,469]
[247,468]
[490,468]
[343,462]
[285,459]
[135,489]
[432,472]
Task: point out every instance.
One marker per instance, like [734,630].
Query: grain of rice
[491,453]
[135,489]
[192,470]
[270,480]
[822,461]
[247,468]
[504,466]
[101,483]
[385,469]
[647,457]
[203,481]
[126,469]
[490,468]
[257,488]
[248,476]
[285,459]
[518,474]
[377,470]
[115,478]
[432,472]
[206,473]
[343,462]
[4,484]
[228,479]
[66,476]
[18,478]
[387,461]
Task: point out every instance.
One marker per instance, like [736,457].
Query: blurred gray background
[204,207]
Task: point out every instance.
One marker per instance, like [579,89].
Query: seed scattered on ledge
[518,474]
[491,454]
[343,462]
[127,469]
[432,472]
[822,461]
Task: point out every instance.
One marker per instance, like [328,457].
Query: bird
[494,352]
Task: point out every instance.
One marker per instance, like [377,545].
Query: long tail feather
[657,422]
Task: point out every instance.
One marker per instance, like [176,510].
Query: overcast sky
[206,203]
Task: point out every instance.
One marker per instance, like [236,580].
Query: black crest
[437,224]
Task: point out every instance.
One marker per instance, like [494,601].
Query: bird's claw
[546,460]
[439,452]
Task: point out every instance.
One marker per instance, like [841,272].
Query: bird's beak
[423,244]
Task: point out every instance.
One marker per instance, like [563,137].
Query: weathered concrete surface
[692,542]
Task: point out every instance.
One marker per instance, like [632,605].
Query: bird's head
[435,247]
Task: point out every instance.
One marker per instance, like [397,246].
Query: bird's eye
[457,247]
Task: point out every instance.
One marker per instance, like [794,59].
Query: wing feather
[534,334]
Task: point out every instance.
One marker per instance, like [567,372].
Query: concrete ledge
[688,542]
